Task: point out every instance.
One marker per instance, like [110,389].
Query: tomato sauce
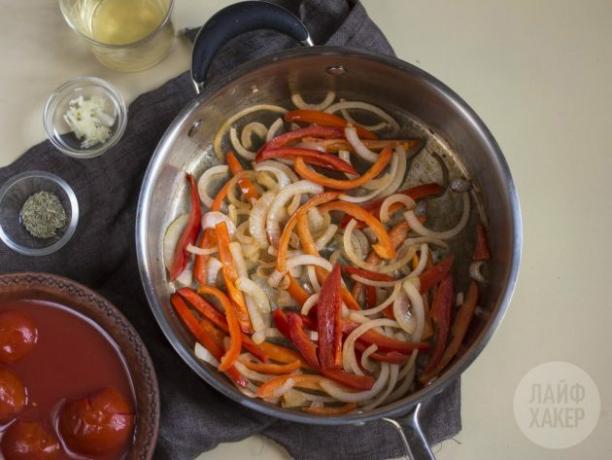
[73,357]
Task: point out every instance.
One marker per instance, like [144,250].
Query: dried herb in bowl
[43,215]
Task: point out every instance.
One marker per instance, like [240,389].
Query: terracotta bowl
[43,286]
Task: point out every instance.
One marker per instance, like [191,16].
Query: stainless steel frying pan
[425,108]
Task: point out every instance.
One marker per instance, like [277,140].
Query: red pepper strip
[314,157]
[219,320]
[331,410]
[460,327]
[481,251]
[384,247]
[198,330]
[441,310]
[281,354]
[432,276]
[357,382]
[301,341]
[232,353]
[371,296]
[393,357]
[269,368]
[344,184]
[329,321]
[335,145]
[230,275]
[282,140]
[245,184]
[416,193]
[367,273]
[293,324]
[190,233]
[326,119]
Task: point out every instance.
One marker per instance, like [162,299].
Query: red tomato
[100,423]
[18,336]
[29,441]
[13,395]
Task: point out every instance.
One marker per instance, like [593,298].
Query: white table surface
[540,74]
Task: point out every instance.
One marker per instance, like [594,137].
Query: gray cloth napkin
[101,255]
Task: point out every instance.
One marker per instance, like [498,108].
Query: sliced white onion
[360,105]
[212,218]
[459,298]
[205,355]
[402,313]
[204,182]
[408,202]
[231,120]
[475,272]
[326,236]
[293,399]
[346,156]
[257,219]
[384,183]
[236,251]
[309,303]
[238,147]
[201,251]
[423,256]
[349,361]
[394,370]
[212,270]
[305,259]
[419,228]
[315,220]
[279,169]
[171,238]
[276,209]
[284,388]
[251,374]
[252,289]
[297,100]
[349,249]
[349,396]
[315,398]
[311,146]
[273,129]
[418,309]
[400,171]
[385,303]
[312,277]
[186,277]
[241,234]
[358,146]
[365,358]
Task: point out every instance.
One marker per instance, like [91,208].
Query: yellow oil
[121,22]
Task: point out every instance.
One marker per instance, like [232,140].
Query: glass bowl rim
[74,213]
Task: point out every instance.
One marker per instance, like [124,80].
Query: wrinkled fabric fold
[102,255]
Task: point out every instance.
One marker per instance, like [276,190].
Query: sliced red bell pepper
[441,310]
[432,276]
[393,357]
[331,410]
[205,336]
[326,119]
[246,186]
[219,320]
[302,342]
[371,297]
[481,250]
[357,382]
[190,233]
[270,368]
[367,273]
[282,140]
[329,321]
[416,193]
[314,157]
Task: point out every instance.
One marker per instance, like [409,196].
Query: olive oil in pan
[121,22]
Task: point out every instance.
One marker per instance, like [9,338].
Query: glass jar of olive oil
[125,35]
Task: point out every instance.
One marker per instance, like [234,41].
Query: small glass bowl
[13,195]
[59,132]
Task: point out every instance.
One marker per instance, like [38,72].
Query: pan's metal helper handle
[237,19]
[413,439]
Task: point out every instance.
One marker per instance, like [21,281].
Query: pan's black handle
[414,440]
[237,19]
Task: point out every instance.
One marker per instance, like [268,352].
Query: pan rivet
[336,70]
[194,128]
